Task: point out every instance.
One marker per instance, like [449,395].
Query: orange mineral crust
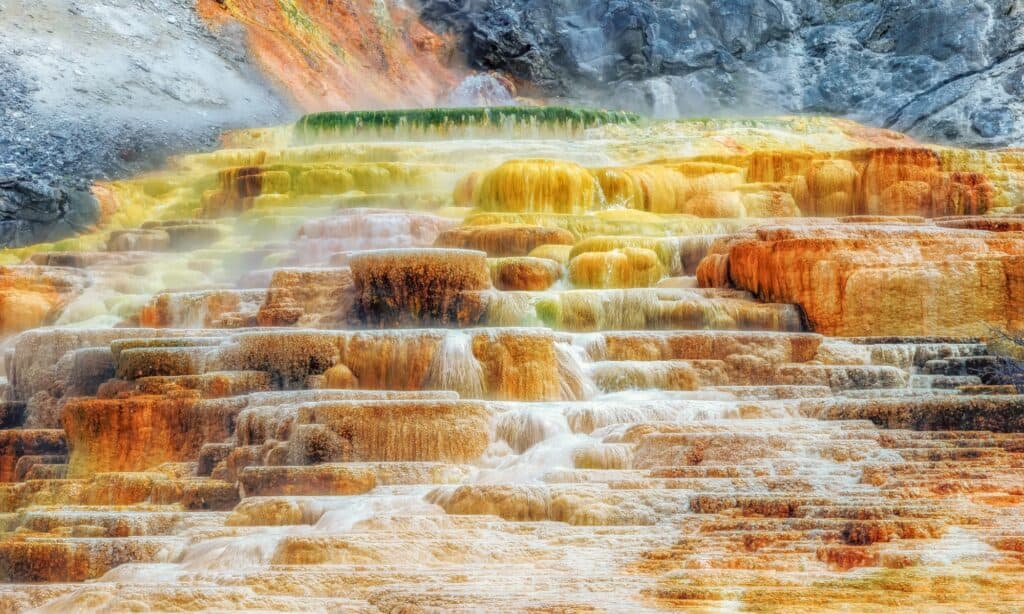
[881,279]
[342,55]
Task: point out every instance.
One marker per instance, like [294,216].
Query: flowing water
[462,363]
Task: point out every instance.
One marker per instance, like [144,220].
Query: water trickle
[454,367]
[576,383]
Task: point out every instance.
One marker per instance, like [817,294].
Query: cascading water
[454,367]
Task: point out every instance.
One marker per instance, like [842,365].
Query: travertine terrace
[538,360]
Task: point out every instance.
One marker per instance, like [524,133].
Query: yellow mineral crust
[537,186]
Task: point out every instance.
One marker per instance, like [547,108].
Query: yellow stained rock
[537,186]
[629,267]
[558,253]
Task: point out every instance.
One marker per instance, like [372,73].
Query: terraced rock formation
[522,360]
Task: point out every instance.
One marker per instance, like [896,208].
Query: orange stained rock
[336,479]
[515,363]
[419,287]
[200,309]
[580,310]
[451,431]
[340,376]
[209,385]
[309,296]
[53,560]
[32,296]
[853,279]
[387,361]
[708,345]
[136,433]
[239,186]
[519,364]
[16,444]
[341,55]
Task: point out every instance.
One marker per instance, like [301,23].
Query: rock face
[307,47]
[34,213]
[130,84]
[943,70]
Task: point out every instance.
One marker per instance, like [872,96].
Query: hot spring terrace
[532,360]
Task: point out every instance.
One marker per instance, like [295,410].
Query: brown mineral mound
[417,287]
[862,280]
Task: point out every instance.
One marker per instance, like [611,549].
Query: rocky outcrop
[942,70]
[34,213]
[100,89]
[93,90]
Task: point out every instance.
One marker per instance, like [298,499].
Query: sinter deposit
[522,359]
